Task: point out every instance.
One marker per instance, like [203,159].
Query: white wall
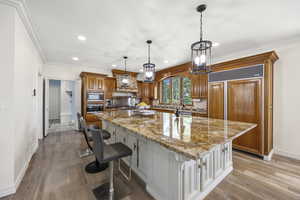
[26,68]
[20,63]
[286,95]
[68,72]
[6,94]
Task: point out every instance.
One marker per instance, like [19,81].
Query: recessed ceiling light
[75,58]
[215,44]
[113,65]
[166,61]
[81,38]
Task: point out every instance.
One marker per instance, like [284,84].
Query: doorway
[59,105]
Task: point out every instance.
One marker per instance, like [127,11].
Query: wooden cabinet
[91,82]
[216,100]
[110,87]
[244,104]
[145,92]
[94,83]
[199,86]
[248,97]
[99,84]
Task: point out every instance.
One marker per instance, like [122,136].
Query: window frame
[171,90]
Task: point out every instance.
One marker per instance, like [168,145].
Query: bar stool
[95,166]
[108,153]
[87,151]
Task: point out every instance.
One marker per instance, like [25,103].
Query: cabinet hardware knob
[202,165]
[225,149]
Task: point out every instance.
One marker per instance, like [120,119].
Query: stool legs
[111,181]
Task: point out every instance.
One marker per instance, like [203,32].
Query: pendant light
[149,68]
[201,50]
[125,78]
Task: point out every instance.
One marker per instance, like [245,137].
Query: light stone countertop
[188,135]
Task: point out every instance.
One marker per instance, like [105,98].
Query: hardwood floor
[57,173]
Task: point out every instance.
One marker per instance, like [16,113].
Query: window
[176,90]
[186,90]
[166,91]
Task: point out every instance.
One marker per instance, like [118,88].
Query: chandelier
[149,68]
[125,78]
[201,50]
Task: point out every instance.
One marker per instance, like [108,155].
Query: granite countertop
[188,135]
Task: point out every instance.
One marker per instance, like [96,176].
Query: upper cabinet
[110,87]
[93,81]
[145,92]
[216,100]
[99,84]
[199,86]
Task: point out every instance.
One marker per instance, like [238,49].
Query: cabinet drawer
[91,118]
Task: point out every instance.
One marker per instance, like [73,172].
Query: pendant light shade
[125,78]
[201,50]
[149,68]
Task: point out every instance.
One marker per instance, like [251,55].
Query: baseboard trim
[7,191]
[25,167]
[287,154]
[218,180]
[269,157]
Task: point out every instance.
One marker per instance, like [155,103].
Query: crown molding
[21,7]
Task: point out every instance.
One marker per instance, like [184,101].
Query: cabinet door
[142,157]
[199,86]
[140,89]
[203,86]
[207,170]
[91,81]
[110,88]
[216,100]
[132,144]
[244,104]
[196,86]
[218,160]
[227,154]
[99,84]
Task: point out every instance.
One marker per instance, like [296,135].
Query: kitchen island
[178,158]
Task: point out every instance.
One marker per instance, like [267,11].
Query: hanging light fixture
[201,50]
[125,78]
[149,68]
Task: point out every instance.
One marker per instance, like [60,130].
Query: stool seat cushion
[115,152]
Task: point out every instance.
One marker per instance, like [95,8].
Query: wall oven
[95,96]
[94,108]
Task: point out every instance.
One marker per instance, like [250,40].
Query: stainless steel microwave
[95,96]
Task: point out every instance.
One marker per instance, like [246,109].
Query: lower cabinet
[163,170]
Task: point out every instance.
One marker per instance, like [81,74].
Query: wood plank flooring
[57,173]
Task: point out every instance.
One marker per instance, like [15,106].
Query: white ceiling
[115,28]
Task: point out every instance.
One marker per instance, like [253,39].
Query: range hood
[132,84]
